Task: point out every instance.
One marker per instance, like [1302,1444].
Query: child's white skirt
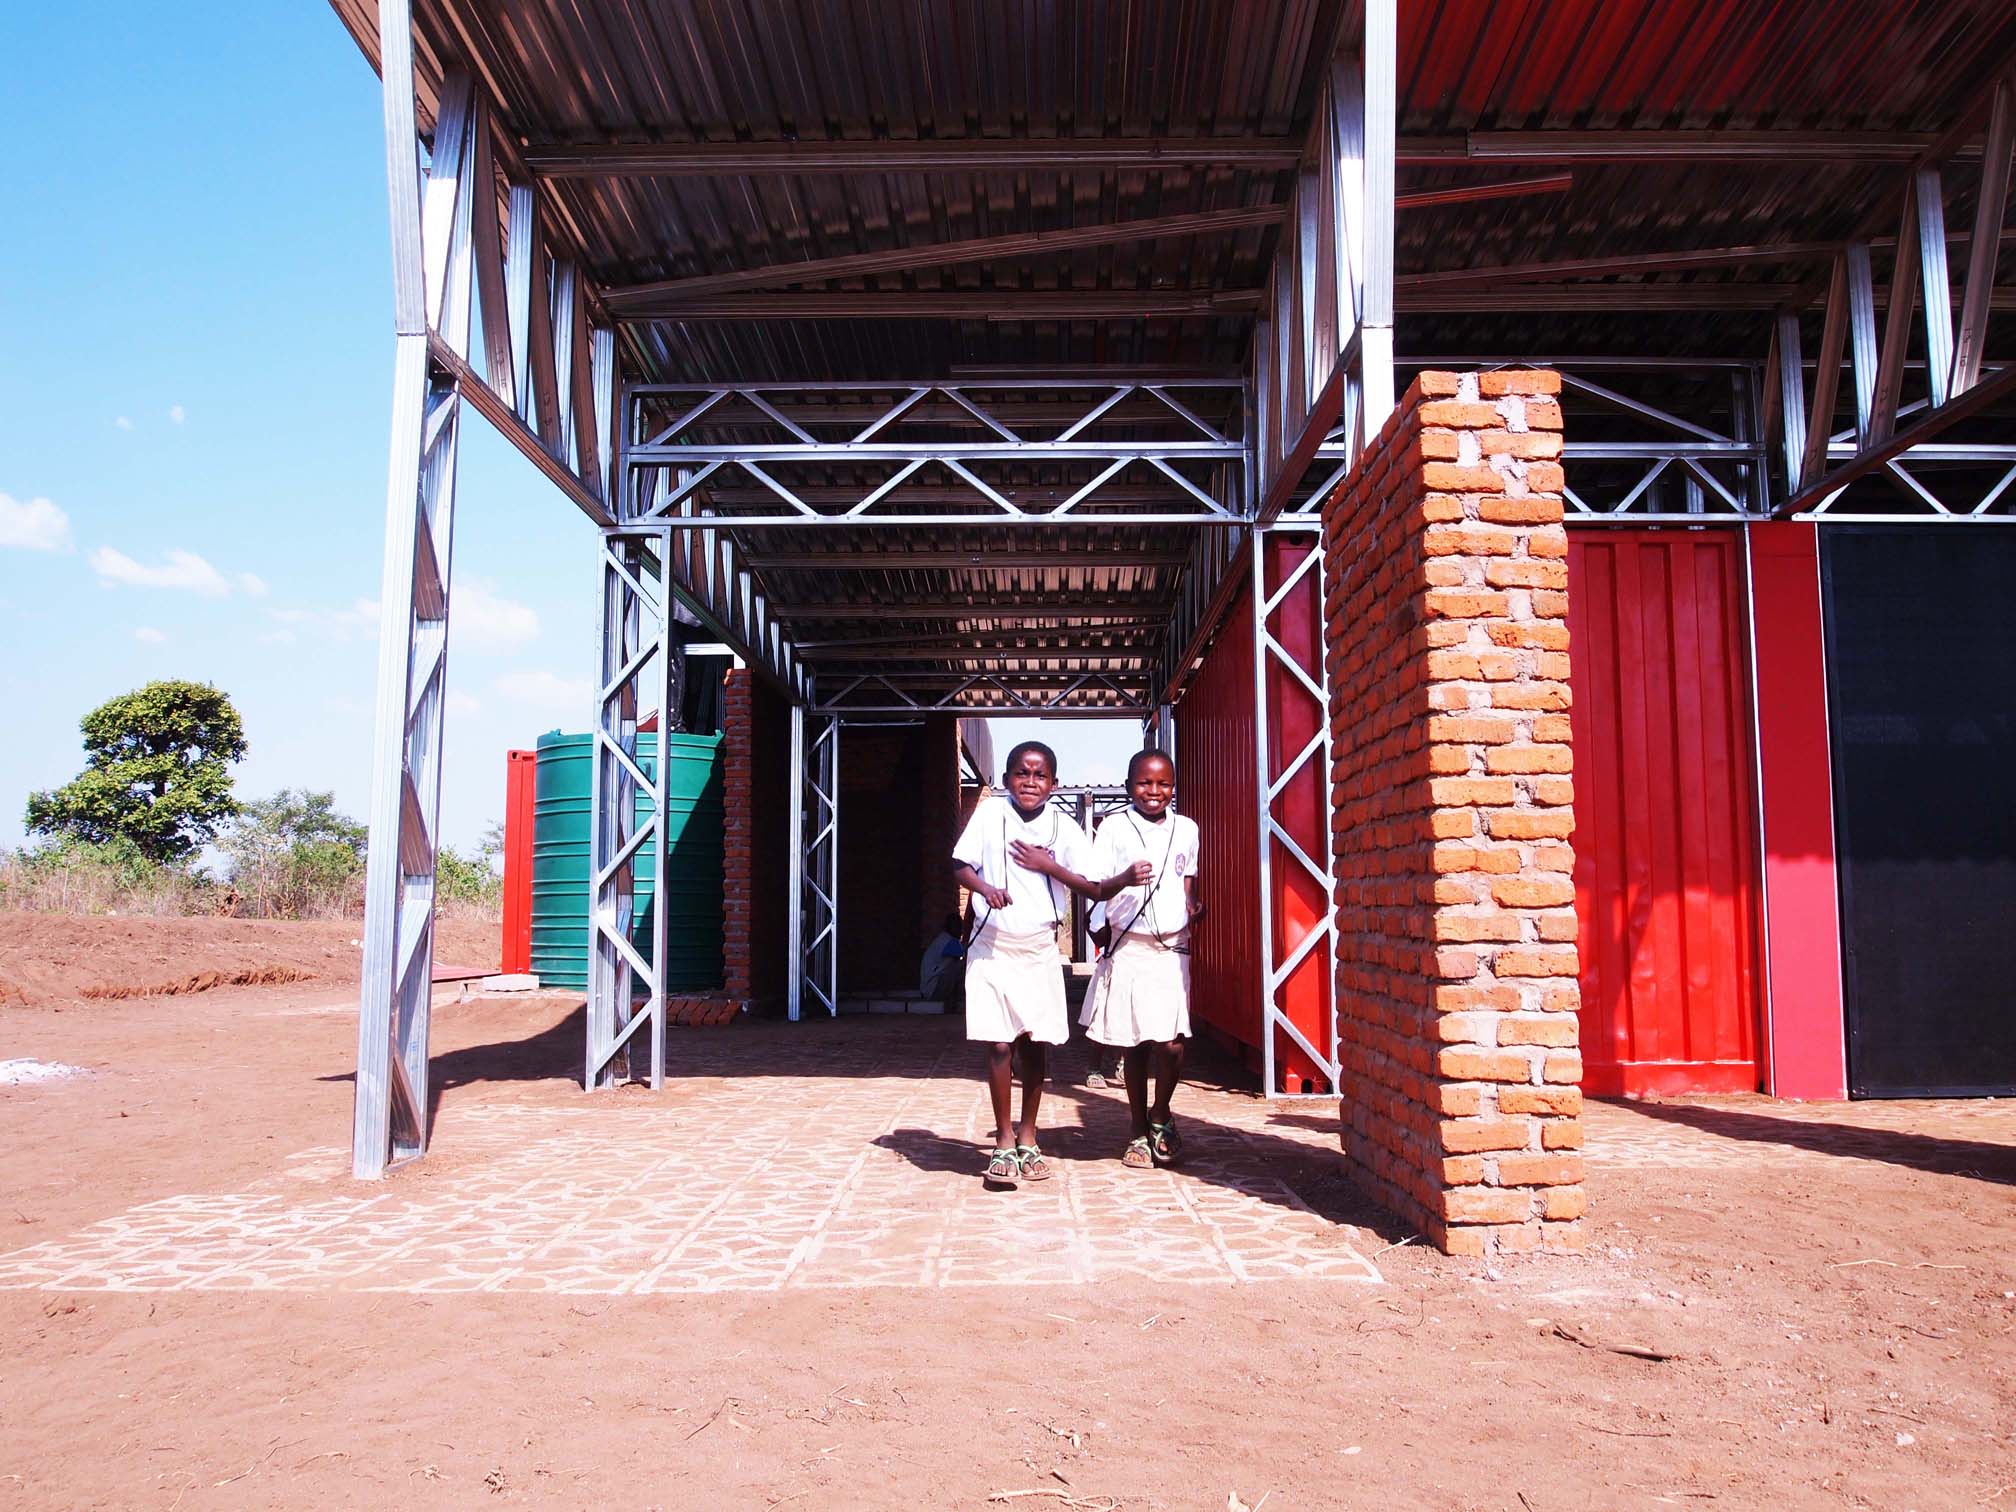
[1140,991]
[1015,986]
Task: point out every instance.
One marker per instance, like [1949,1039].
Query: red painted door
[1665,850]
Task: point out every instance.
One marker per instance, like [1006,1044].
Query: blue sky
[195,300]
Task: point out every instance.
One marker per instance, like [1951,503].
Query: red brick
[1536,635]
[1504,381]
[1564,1202]
[1538,961]
[1470,792]
[1532,695]
[1532,892]
[1562,1068]
[1523,824]
[1460,415]
[1562,1133]
[1461,928]
[1486,1205]
[1529,759]
[1463,1136]
[1482,729]
[1563,1101]
[1539,1170]
[1450,477]
[1504,510]
[1456,1102]
[1460,1064]
[1451,604]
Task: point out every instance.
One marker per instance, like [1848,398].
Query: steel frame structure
[813,923]
[638,660]
[707,494]
[1281,763]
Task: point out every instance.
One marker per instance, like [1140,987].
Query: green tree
[294,853]
[156,772]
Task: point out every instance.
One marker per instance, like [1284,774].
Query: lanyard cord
[1049,883]
[1151,888]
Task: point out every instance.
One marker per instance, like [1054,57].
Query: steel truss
[431,233]
[1957,384]
[938,453]
[1323,347]
[1291,747]
[637,672]
[814,922]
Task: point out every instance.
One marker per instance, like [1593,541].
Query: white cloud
[253,584]
[123,423]
[147,635]
[177,414]
[37,525]
[183,570]
[359,621]
[544,690]
[461,703]
[481,619]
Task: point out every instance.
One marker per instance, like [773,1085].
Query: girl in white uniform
[1014,973]
[1139,999]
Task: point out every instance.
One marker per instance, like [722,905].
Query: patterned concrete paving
[836,1161]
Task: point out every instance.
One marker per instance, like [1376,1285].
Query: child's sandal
[1165,1143]
[1034,1166]
[1138,1156]
[1003,1169]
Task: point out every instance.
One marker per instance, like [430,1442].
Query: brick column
[738,807]
[1451,809]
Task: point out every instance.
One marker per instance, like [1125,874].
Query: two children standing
[1021,859]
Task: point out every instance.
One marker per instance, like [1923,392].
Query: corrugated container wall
[1665,820]
[1216,788]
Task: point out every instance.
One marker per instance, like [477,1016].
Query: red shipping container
[1665,815]
[520,771]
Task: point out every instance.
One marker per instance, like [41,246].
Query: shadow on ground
[1919,1152]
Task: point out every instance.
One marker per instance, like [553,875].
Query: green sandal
[1034,1166]
[1003,1169]
[1165,1143]
[1139,1156]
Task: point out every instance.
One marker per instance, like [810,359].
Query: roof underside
[587,74]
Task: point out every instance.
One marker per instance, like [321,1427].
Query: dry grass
[88,880]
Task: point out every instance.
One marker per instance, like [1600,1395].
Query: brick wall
[1447,649]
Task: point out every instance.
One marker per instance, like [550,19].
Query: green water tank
[562,791]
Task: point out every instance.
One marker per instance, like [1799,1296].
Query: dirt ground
[1782,1306]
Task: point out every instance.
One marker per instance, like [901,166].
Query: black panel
[1921,671]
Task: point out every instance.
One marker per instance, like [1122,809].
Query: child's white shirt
[1036,903]
[1160,906]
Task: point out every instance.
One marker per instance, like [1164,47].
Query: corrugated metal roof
[722,71]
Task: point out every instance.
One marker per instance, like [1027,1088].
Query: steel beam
[1931,424]
[1279,677]
[431,299]
[635,675]
[1767,148]
[1985,245]
[994,305]
[665,294]
[896,155]
[896,559]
